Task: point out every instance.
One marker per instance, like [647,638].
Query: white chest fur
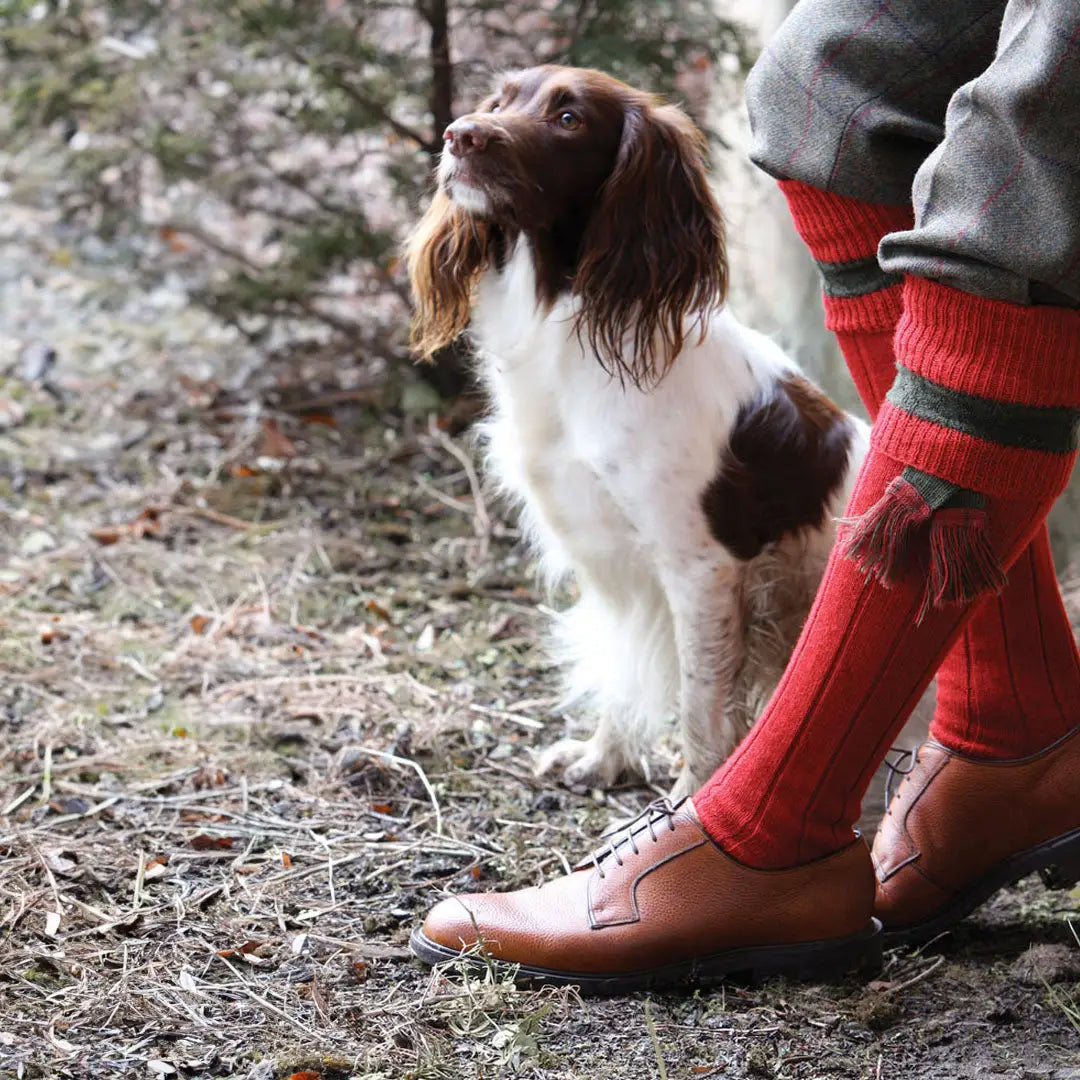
[609,480]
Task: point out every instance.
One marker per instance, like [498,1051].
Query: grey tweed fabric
[967,109]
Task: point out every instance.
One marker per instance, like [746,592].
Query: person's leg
[1011,684]
[793,789]
[981,385]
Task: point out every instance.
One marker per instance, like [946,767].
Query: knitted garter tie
[924,520]
[926,523]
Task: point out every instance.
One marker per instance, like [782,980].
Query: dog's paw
[684,785]
[584,763]
[687,783]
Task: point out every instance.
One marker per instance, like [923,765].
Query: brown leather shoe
[661,903]
[958,830]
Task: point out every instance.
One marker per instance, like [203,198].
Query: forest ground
[272,682]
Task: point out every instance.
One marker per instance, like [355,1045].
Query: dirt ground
[272,683]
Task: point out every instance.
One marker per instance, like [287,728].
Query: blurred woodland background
[279,151]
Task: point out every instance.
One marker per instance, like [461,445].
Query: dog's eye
[568,121]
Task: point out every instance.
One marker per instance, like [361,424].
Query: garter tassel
[924,522]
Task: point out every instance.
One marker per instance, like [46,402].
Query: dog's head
[610,187]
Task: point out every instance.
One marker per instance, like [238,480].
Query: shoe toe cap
[451,924]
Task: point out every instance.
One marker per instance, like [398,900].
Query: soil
[273,683]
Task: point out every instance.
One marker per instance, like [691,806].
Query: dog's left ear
[653,253]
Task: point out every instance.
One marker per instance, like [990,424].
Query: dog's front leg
[706,605]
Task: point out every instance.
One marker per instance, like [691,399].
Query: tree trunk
[450,373]
[442,70]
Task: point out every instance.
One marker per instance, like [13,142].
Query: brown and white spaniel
[676,464]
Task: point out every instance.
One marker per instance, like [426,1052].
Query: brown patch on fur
[786,456]
[617,209]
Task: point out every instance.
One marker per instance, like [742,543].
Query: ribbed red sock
[793,790]
[1011,686]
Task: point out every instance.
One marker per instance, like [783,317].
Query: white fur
[609,480]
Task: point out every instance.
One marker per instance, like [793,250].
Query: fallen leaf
[318,996]
[107,535]
[324,418]
[307,1074]
[199,623]
[148,523]
[177,244]
[360,970]
[275,444]
[202,842]
[160,1068]
[377,609]
[286,860]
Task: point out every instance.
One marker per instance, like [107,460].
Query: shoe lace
[904,763]
[658,812]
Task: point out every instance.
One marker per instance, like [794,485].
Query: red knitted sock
[1011,686]
[793,790]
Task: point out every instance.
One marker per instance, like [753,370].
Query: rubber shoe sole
[1057,862]
[821,961]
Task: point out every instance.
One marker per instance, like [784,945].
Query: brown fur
[618,212]
[785,458]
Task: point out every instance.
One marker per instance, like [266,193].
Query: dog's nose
[465,137]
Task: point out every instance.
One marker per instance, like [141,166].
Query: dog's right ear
[445,254]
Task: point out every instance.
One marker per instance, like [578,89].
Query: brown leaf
[318,996]
[275,444]
[202,842]
[177,245]
[199,623]
[286,860]
[207,776]
[148,523]
[360,971]
[107,534]
[307,1074]
[382,807]
[324,418]
[377,609]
